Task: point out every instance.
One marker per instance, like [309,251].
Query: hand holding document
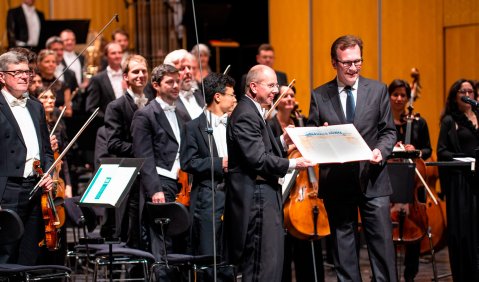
[330,144]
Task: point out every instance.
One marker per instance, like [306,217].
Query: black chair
[96,251]
[171,219]
[11,230]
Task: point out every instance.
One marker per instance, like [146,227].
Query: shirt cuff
[292,163]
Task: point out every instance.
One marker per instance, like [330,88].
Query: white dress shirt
[33,24]
[116,79]
[140,100]
[192,106]
[219,132]
[25,122]
[69,57]
[173,121]
[343,95]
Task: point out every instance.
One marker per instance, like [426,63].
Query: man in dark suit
[70,57]
[191,99]
[196,159]
[118,117]
[24,26]
[351,98]
[156,138]
[24,139]
[265,57]
[253,220]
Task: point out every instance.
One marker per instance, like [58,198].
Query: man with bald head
[191,99]
[253,217]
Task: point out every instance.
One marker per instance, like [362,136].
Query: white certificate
[330,144]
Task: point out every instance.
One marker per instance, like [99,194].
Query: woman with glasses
[47,63]
[459,137]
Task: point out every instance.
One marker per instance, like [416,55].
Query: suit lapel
[108,86]
[163,120]
[201,127]
[130,102]
[5,108]
[361,98]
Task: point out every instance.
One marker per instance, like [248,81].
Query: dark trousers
[377,227]
[300,252]
[264,250]
[15,198]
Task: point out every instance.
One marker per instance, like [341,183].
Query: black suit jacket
[99,94]
[154,140]
[13,150]
[17,28]
[252,152]
[374,122]
[118,118]
[81,59]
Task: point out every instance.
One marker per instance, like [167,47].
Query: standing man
[191,99]
[351,98]
[24,139]
[254,234]
[156,137]
[196,159]
[55,43]
[24,26]
[69,55]
[118,117]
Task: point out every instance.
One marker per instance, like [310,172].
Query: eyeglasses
[466,91]
[228,94]
[271,85]
[19,73]
[348,64]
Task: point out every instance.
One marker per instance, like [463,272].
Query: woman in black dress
[459,137]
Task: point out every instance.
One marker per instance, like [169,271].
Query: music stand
[402,182]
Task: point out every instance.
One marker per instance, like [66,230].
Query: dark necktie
[350,107]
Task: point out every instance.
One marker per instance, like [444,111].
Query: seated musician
[400,95]
[196,159]
[22,144]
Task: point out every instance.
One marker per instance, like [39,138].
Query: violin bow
[268,113]
[52,167]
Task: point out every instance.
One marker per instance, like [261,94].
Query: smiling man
[351,98]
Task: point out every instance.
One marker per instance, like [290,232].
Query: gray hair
[51,40]
[203,50]
[254,74]
[174,57]
[11,58]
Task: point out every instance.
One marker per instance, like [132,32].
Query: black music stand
[79,27]
[402,182]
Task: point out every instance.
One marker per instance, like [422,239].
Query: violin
[305,216]
[183,197]
[52,216]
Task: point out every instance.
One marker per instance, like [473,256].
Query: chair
[98,252]
[171,219]
[11,230]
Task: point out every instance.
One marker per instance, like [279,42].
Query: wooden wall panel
[289,34]
[412,37]
[461,12]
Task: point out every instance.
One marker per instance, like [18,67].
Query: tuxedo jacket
[252,152]
[81,59]
[118,117]
[13,150]
[199,99]
[99,94]
[373,120]
[154,140]
[17,28]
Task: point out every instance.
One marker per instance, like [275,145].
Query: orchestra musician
[24,139]
[399,95]
[295,250]
[253,219]
[118,118]
[156,138]
[459,137]
[351,98]
[196,159]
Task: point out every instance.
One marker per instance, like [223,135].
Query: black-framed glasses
[19,73]
[271,85]
[357,63]
[466,91]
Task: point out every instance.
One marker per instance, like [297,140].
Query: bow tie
[141,101]
[169,108]
[19,102]
[221,120]
[188,94]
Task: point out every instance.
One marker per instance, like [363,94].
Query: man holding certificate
[345,187]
